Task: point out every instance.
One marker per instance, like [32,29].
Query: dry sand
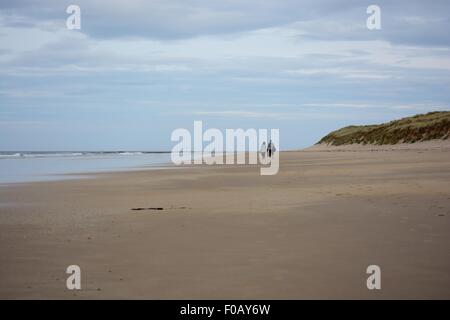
[227,232]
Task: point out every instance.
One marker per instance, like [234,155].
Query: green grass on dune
[421,127]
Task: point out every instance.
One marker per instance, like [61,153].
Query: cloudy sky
[139,69]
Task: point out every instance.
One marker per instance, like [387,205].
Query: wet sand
[228,232]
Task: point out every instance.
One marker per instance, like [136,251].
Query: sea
[26,166]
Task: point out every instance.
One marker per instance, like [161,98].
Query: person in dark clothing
[270,149]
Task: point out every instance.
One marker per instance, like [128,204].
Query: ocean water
[18,167]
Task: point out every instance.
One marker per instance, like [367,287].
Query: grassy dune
[421,127]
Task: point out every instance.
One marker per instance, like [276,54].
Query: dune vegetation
[421,127]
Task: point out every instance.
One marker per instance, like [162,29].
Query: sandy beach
[227,232]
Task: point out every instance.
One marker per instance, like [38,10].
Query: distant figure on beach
[263,149]
[271,149]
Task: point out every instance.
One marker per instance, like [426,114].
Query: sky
[137,70]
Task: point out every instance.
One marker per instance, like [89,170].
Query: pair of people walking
[268,149]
